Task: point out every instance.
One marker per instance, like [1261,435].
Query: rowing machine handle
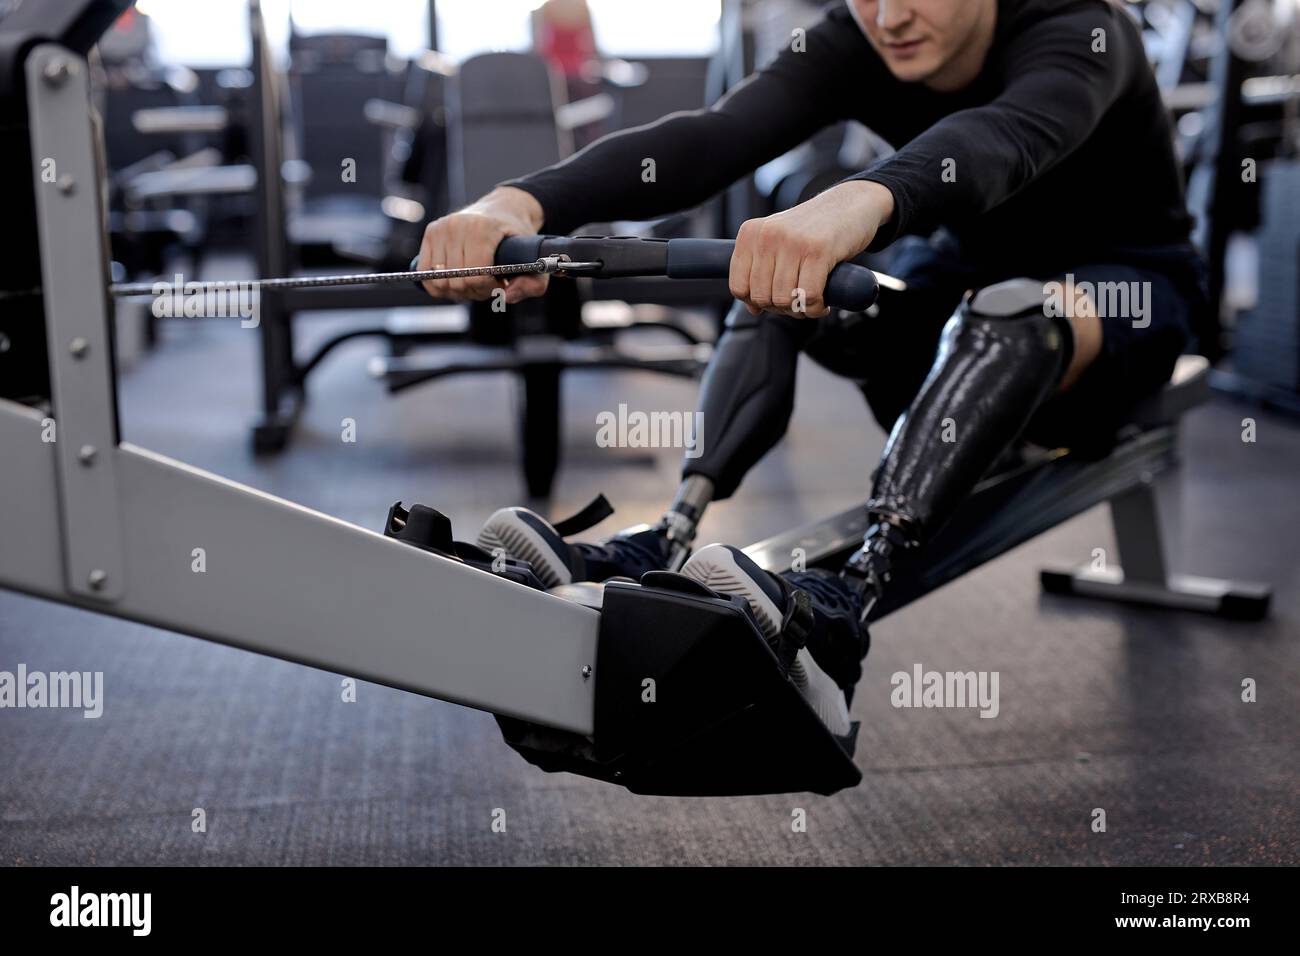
[850,287]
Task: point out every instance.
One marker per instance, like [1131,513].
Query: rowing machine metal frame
[89,520]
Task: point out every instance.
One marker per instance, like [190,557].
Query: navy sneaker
[838,641]
[821,669]
[526,535]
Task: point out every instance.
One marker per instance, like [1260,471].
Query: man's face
[918,38]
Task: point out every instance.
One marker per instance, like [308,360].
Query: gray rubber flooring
[1135,712]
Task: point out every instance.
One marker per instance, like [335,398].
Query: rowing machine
[91,521]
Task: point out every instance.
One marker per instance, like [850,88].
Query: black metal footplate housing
[690,700]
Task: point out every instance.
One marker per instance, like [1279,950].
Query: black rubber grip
[849,287]
[516,249]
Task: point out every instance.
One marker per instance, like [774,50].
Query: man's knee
[1013,323]
[1001,356]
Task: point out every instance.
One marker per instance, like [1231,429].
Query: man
[1031,142]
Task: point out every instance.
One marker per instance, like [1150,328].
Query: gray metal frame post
[1142,574]
[80,347]
[1135,517]
[282,393]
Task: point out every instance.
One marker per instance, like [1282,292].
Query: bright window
[215,32]
[623,27]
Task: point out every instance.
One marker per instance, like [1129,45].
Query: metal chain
[547,265]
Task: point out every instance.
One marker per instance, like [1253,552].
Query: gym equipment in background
[1266,352]
[1227,69]
[501,122]
[170,150]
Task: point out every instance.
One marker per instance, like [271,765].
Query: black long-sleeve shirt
[1059,152]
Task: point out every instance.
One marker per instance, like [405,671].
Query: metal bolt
[66,185]
[87,455]
[56,71]
[586,672]
[79,347]
[97,579]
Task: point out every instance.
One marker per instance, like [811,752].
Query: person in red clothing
[563,36]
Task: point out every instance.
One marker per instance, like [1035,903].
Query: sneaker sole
[513,536]
[716,568]
[821,691]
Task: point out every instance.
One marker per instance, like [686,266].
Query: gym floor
[1137,712]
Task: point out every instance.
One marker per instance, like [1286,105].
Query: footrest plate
[691,701]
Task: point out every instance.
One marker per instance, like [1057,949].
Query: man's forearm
[642,173]
[685,158]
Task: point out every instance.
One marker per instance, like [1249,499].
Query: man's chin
[911,70]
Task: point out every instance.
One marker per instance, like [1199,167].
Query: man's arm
[1059,88]
[695,154]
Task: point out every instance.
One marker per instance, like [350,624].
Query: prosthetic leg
[746,399]
[1000,358]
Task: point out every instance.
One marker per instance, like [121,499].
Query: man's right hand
[470,238]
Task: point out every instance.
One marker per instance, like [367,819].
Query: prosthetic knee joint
[1001,356]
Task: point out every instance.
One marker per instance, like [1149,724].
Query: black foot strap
[795,626]
[596,511]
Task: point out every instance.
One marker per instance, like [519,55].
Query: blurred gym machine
[283,374]
[332,77]
[414,166]
[170,153]
[1230,73]
[496,116]
[503,123]
[1257,78]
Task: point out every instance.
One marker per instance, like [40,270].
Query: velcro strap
[596,511]
[795,627]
